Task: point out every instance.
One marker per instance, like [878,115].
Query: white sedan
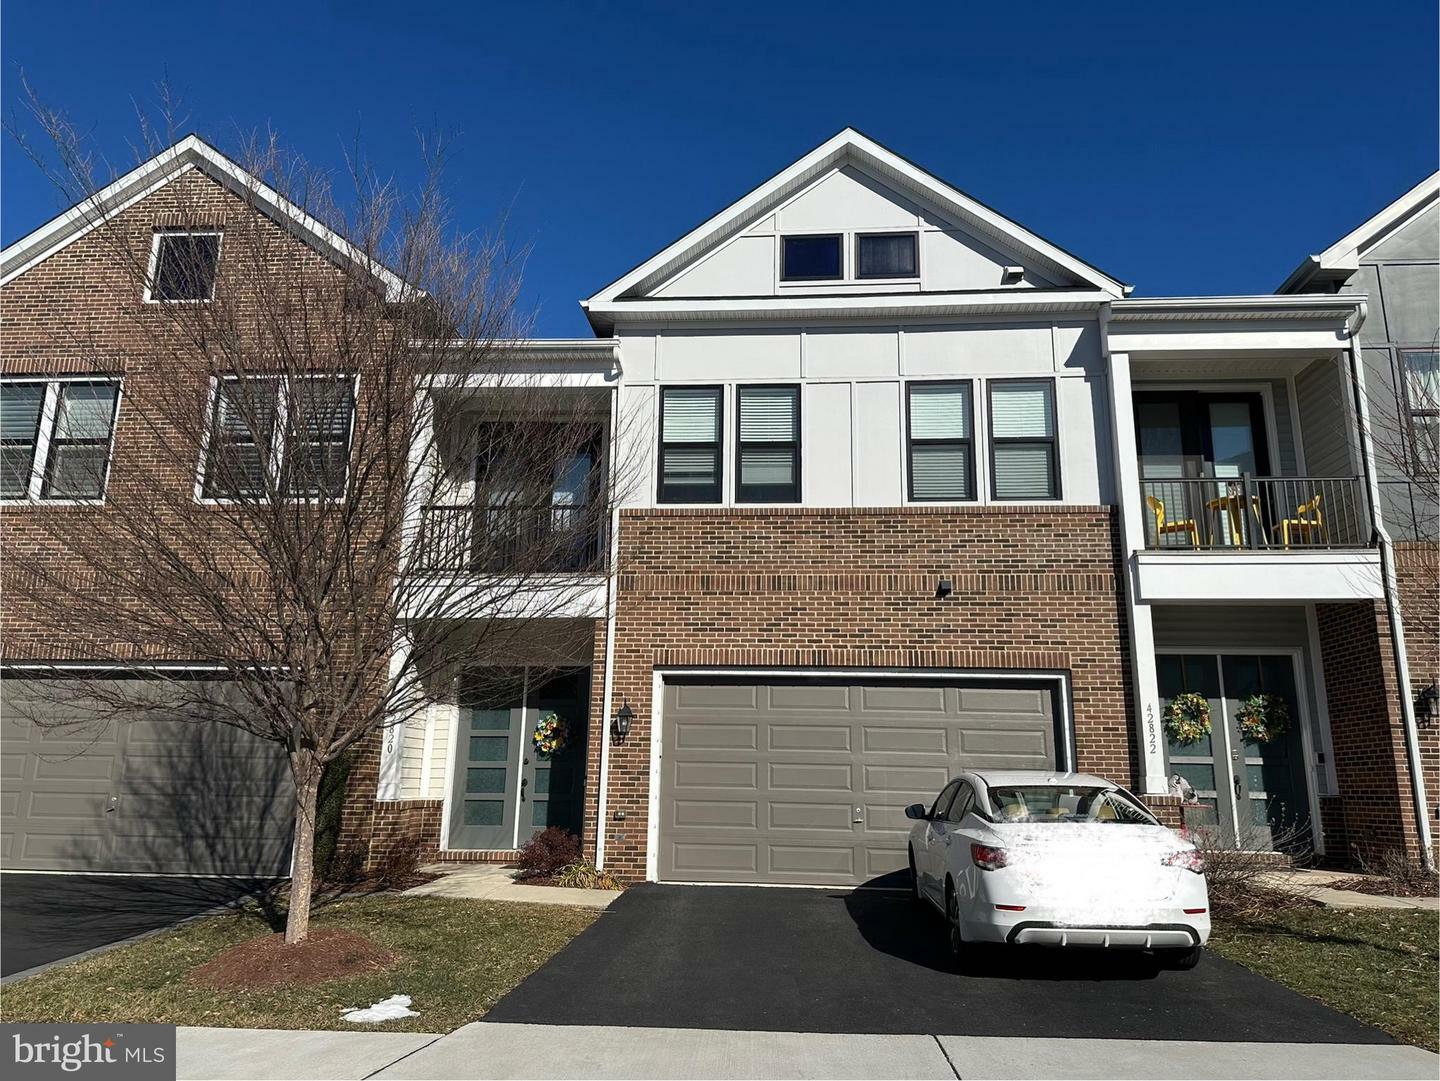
[1069,859]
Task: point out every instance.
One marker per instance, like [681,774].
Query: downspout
[1392,599]
[602,808]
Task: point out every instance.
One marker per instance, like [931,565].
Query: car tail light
[1187,858]
[987,858]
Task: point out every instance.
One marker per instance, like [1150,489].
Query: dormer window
[886,255]
[812,258]
[182,267]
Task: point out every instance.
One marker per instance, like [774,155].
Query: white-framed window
[289,434]
[56,437]
[183,266]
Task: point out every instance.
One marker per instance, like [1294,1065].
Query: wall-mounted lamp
[1427,707]
[1012,275]
[944,589]
[621,724]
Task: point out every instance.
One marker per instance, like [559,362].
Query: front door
[488,762]
[551,787]
[505,791]
[1251,794]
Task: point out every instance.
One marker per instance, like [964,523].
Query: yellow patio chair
[1162,527]
[1308,524]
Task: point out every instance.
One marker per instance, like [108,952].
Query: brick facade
[1374,810]
[1034,588]
[1417,570]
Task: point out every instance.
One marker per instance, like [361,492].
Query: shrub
[548,852]
[1258,873]
[398,866]
[583,875]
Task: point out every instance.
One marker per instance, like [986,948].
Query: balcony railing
[1276,513]
[467,539]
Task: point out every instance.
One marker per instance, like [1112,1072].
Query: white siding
[854,454]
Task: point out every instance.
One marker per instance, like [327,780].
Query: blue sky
[1184,148]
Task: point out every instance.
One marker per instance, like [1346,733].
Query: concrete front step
[487,882]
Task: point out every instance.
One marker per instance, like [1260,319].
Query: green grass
[456,959]
[1375,964]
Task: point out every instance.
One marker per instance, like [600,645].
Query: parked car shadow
[891,922]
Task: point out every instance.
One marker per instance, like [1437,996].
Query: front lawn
[1377,964]
[455,959]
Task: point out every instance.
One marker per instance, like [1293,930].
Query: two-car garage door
[152,794]
[806,781]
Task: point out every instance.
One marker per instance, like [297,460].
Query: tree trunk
[302,882]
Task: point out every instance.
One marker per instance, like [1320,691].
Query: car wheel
[952,926]
[915,894]
[1181,960]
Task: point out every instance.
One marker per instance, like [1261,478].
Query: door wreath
[550,736]
[1187,718]
[1263,718]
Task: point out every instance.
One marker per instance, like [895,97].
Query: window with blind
[886,255]
[1421,368]
[296,430]
[1024,458]
[690,445]
[768,452]
[941,442]
[80,441]
[55,438]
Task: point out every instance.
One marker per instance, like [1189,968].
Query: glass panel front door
[492,720]
[505,791]
[1251,795]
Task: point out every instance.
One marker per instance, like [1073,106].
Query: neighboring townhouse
[86,388]
[901,487]
[1393,259]
[919,489]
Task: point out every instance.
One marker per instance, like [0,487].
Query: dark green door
[1251,794]
[551,787]
[1268,779]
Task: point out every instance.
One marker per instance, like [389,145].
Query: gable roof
[1342,258]
[852,147]
[191,152]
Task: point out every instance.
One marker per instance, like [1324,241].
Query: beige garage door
[150,794]
[806,781]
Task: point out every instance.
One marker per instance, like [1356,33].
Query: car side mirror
[916,810]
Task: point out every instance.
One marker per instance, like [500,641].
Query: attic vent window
[811,258]
[183,265]
[886,255]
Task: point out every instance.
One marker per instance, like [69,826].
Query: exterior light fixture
[944,589]
[1428,706]
[623,717]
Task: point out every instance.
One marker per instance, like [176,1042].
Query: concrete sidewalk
[494,1050]
[489,882]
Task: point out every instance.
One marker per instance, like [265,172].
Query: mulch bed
[267,962]
[1389,887]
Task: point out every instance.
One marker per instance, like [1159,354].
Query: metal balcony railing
[466,539]
[1276,513]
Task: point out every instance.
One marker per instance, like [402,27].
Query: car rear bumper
[1154,937]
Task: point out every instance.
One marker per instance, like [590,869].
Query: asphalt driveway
[792,960]
[46,918]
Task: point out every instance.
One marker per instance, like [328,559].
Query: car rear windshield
[1066,803]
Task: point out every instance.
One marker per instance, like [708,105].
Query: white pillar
[392,736]
[1149,734]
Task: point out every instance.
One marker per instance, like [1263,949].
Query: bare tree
[335,479]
